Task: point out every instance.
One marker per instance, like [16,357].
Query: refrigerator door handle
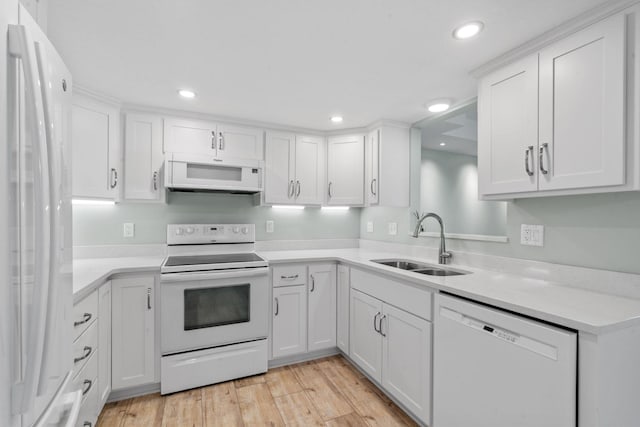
[22,47]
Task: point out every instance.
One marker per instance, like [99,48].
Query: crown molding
[79,89]
[565,29]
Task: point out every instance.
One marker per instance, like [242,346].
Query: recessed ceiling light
[438,106]
[442,144]
[468,30]
[186,93]
[336,119]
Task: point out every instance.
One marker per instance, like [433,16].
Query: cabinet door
[365,343]
[343,308]
[406,360]
[279,168]
[94,133]
[190,136]
[345,170]
[507,129]
[322,306]
[104,344]
[372,168]
[133,343]
[143,158]
[309,165]
[289,335]
[582,113]
[240,142]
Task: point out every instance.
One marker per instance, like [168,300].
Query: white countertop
[579,309]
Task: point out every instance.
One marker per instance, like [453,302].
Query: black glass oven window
[210,307]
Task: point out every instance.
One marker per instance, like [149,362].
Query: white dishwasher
[492,368]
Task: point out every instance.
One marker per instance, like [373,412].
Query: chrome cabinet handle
[277,307]
[313,283]
[295,276]
[88,383]
[542,149]
[85,318]
[297,189]
[87,424]
[292,190]
[148,298]
[329,190]
[375,322]
[213,139]
[527,161]
[114,178]
[380,326]
[87,353]
[221,144]
[155,180]
[373,182]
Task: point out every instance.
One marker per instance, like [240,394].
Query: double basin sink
[417,267]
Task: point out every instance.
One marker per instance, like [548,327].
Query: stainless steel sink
[416,267]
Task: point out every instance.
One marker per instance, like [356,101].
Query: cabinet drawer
[289,275]
[88,415]
[402,295]
[84,347]
[84,313]
[87,379]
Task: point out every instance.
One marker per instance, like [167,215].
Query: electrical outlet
[369,226]
[393,228]
[532,235]
[128,229]
[270,226]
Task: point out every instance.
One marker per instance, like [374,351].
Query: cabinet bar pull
[313,283]
[148,298]
[297,189]
[155,180]
[527,161]
[542,149]
[277,307]
[373,186]
[213,140]
[221,145]
[295,276]
[380,326]
[375,322]
[87,353]
[291,189]
[87,424]
[88,383]
[85,318]
[329,190]
[114,178]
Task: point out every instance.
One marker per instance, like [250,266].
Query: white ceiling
[292,62]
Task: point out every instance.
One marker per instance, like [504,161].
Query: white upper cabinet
[387,167]
[582,96]
[322,306]
[223,142]
[96,149]
[143,158]
[345,170]
[554,122]
[293,169]
[508,129]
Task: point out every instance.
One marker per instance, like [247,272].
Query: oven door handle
[195,276]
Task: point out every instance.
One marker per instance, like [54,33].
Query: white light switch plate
[369,226]
[270,226]
[128,229]
[532,235]
[393,228]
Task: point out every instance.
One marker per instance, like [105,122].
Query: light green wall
[102,225]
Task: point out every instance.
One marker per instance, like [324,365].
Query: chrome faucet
[443,255]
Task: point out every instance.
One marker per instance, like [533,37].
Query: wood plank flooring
[324,392]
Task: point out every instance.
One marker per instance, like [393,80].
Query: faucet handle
[445,257]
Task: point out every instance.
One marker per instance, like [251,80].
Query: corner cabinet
[294,166]
[95,136]
[345,170]
[554,122]
[133,334]
[387,166]
[143,158]
[322,306]
[343,293]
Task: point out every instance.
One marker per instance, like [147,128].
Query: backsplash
[102,225]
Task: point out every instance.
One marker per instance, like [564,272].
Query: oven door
[208,309]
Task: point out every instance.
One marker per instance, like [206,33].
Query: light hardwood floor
[324,392]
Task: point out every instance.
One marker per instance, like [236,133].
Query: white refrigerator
[35,228]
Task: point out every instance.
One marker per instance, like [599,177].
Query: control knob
[179,231]
[245,230]
[190,230]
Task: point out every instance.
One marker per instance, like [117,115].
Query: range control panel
[198,234]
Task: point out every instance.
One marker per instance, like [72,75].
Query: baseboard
[303,357]
[127,393]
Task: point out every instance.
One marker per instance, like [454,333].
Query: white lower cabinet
[289,334]
[104,343]
[133,334]
[342,315]
[393,347]
[322,306]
